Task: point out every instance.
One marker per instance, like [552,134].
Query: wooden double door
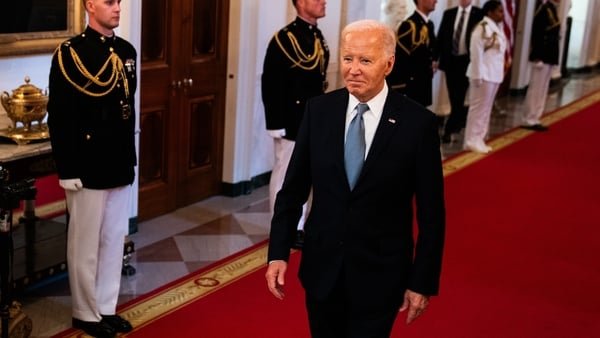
[183,78]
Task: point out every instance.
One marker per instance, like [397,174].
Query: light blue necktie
[354,151]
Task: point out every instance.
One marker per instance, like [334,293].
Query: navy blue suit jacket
[366,233]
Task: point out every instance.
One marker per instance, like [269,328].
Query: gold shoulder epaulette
[299,57]
[492,40]
[415,40]
[553,20]
[116,71]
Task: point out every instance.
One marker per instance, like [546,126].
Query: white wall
[131,29]
[584,44]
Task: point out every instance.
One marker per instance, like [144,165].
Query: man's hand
[435,65]
[416,304]
[276,277]
[73,184]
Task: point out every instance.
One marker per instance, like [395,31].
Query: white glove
[276,133]
[477,82]
[73,184]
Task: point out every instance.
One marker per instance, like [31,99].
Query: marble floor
[173,245]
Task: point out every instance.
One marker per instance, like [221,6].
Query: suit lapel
[391,119]
[337,130]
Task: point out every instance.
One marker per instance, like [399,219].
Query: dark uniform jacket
[294,70]
[416,49]
[366,232]
[545,34]
[92,122]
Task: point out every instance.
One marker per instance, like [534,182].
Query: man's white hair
[377,27]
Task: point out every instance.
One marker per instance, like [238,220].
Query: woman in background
[485,73]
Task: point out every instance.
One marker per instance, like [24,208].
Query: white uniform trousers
[98,224]
[283,149]
[481,102]
[537,92]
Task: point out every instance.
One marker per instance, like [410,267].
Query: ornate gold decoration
[302,59]
[116,72]
[26,105]
[415,40]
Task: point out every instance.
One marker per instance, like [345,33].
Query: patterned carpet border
[465,159]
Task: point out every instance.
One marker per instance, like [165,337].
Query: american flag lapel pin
[391,120]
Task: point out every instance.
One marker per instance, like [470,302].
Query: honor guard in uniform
[294,70]
[92,131]
[545,37]
[416,55]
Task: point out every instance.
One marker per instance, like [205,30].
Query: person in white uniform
[92,132]
[485,72]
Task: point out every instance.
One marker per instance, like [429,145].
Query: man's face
[106,13]
[311,9]
[426,6]
[464,3]
[363,64]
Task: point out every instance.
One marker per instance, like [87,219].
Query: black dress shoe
[535,127]
[299,241]
[117,323]
[94,329]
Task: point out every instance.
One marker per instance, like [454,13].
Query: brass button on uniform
[88,137]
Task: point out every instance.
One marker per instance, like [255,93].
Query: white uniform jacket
[487,48]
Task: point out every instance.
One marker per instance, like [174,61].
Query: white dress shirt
[462,45]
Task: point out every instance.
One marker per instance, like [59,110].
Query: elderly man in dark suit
[454,37]
[360,263]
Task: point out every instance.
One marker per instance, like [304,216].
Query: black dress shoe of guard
[117,323]
[299,241]
[535,127]
[94,329]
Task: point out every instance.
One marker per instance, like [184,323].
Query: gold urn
[26,105]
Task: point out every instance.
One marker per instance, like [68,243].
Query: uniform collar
[96,36]
[466,9]
[302,23]
[425,17]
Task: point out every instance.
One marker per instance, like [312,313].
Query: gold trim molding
[26,43]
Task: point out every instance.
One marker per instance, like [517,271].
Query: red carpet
[521,258]
[523,240]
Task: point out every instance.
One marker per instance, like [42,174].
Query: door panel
[184,53]
[204,99]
